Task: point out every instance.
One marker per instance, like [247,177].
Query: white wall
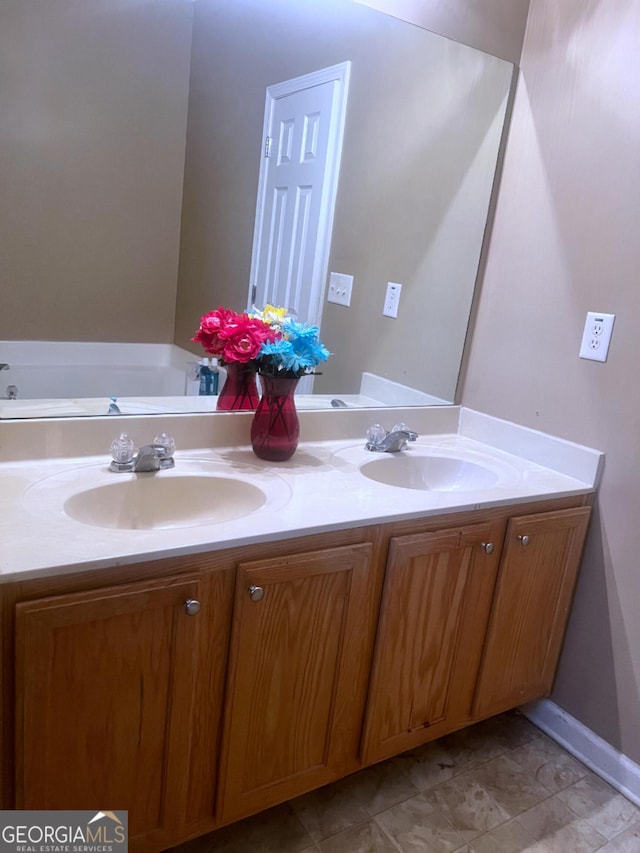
[565,241]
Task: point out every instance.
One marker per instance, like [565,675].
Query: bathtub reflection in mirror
[133,138]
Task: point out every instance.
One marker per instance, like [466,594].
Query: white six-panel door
[303,131]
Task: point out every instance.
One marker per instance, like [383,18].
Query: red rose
[231,336]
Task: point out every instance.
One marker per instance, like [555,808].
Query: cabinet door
[435,608]
[104,686]
[533,595]
[294,708]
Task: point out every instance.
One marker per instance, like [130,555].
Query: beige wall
[93,107]
[495,26]
[566,241]
[412,205]
[424,121]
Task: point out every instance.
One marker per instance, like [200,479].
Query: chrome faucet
[381,441]
[149,458]
[12,390]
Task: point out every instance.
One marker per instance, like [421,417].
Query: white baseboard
[613,766]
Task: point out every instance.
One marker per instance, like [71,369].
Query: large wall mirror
[131,141]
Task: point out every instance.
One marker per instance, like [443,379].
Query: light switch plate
[340,286]
[596,336]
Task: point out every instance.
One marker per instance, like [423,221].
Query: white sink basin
[153,501]
[429,473]
[196,492]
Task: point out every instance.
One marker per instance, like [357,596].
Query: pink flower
[231,336]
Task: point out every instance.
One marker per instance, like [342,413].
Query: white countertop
[320,489]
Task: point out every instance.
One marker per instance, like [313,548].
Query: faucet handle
[167,443]
[122,450]
[375,434]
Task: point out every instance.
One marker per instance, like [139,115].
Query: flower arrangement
[276,343]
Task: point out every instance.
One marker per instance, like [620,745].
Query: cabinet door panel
[104,686]
[435,607]
[533,595]
[290,692]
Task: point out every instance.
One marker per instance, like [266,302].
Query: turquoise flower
[296,353]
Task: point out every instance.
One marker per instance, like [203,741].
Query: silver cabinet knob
[256,593]
[524,540]
[192,607]
[488,547]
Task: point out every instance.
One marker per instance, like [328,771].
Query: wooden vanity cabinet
[340,649]
[469,627]
[298,673]
[118,692]
[104,687]
[435,608]
[537,577]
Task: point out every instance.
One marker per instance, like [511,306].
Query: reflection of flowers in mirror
[277,343]
[232,337]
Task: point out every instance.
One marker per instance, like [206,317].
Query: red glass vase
[240,391]
[276,428]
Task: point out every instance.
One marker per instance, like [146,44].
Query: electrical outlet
[596,336]
[392,299]
[340,288]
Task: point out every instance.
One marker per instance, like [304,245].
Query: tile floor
[501,786]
